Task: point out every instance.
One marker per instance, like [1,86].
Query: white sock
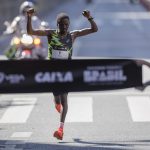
[61,125]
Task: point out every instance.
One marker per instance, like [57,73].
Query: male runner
[60,43]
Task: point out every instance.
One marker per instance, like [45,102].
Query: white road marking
[19,111]
[80,109]
[139,108]
[21,134]
[146,74]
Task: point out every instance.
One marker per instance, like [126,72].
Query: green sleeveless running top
[59,47]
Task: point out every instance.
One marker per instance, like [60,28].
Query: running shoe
[59,134]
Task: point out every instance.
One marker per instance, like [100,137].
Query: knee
[57,99]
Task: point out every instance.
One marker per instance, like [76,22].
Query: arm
[15,23]
[11,27]
[86,31]
[30,30]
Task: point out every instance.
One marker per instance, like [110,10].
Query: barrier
[32,76]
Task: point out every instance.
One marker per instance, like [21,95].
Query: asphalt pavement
[96,120]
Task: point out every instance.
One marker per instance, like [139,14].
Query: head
[24,6]
[63,22]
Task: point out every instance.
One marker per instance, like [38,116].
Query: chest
[60,47]
[60,41]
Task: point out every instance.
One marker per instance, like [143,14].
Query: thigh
[63,98]
[60,93]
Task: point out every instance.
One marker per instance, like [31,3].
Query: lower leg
[65,107]
[59,133]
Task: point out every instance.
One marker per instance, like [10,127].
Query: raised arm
[32,31]
[86,31]
[14,23]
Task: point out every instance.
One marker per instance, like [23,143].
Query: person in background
[18,27]
[60,46]
[19,22]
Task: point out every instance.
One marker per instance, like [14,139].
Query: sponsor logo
[104,76]
[51,77]
[11,78]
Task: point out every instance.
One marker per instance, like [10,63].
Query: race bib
[59,54]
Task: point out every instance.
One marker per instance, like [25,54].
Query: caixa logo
[51,77]
[11,78]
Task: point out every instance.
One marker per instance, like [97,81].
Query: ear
[58,25]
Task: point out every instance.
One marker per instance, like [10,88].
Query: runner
[60,42]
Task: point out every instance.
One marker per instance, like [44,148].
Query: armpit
[74,34]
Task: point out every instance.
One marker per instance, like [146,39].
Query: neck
[61,33]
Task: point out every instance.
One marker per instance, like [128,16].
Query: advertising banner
[34,76]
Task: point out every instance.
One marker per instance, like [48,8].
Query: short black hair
[61,16]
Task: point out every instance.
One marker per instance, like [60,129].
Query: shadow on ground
[77,144]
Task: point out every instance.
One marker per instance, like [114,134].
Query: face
[63,25]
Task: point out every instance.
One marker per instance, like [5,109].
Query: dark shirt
[59,47]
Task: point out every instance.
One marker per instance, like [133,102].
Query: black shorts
[59,93]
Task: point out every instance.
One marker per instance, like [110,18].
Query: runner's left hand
[86,13]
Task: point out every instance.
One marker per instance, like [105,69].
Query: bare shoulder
[50,31]
[74,34]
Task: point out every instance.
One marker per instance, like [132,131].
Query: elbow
[95,30]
